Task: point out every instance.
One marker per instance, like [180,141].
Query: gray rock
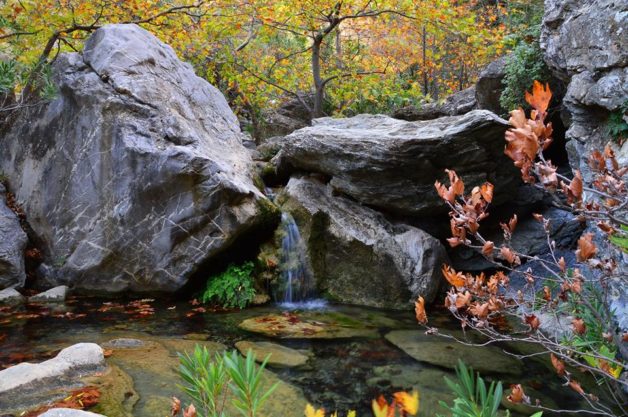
[29,381]
[68,412]
[135,175]
[11,296]
[439,351]
[392,164]
[359,257]
[489,87]
[123,343]
[278,355]
[13,241]
[458,103]
[53,295]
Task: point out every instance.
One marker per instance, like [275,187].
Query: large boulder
[584,44]
[357,256]
[392,164]
[458,103]
[13,241]
[489,87]
[135,174]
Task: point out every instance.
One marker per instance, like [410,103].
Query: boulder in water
[135,174]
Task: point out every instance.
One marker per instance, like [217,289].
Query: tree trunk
[319,87]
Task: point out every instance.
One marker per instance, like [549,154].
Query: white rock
[68,412]
[10,296]
[55,295]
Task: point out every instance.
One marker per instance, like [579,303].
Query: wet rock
[31,384]
[13,241]
[280,356]
[392,164]
[68,412]
[135,174]
[123,343]
[359,257]
[308,326]
[118,396]
[458,103]
[11,296]
[439,351]
[53,295]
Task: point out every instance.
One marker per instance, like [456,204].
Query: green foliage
[523,67]
[620,239]
[616,124]
[232,288]
[213,382]
[473,398]
[47,88]
[8,76]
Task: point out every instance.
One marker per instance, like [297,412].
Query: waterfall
[296,284]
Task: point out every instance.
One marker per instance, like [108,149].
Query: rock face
[458,103]
[13,241]
[584,44]
[135,174]
[29,381]
[488,88]
[358,256]
[392,164]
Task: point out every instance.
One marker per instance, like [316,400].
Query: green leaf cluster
[213,381]
[474,399]
[233,288]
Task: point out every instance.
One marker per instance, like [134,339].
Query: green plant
[617,125]
[8,76]
[212,382]
[523,66]
[232,288]
[473,398]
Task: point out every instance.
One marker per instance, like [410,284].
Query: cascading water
[296,286]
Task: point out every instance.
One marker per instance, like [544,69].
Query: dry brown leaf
[540,97]
[419,309]
[586,248]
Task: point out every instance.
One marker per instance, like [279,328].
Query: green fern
[233,288]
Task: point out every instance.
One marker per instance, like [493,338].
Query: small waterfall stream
[296,286]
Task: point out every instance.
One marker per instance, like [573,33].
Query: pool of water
[342,373]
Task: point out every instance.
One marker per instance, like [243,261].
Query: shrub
[214,382]
[231,289]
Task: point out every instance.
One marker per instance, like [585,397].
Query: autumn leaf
[480,310]
[517,395]
[540,97]
[578,326]
[547,294]
[175,407]
[190,411]
[380,407]
[509,256]
[487,191]
[574,385]
[408,403]
[518,118]
[312,412]
[463,300]
[487,248]
[455,189]
[457,279]
[586,248]
[419,309]
[558,365]
[533,321]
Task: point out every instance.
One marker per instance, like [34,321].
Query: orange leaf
[408,403]
[540,97]
[509,255]
[547,294]
[175,407]
[456,279]
[575,187]
[579,326]
[479,310]
[487,248]
[463,300]
[517,395]
[487,191]
[586,247]
[574,385]
[419,309]
[533,321]
[380,407]
[558,365]
[512,224]
[518,118]
[190,411]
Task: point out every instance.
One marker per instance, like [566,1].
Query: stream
[345,370]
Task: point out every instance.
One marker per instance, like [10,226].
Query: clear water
[342,374]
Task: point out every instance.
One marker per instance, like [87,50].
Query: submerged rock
[53,295]
[135,174]
[359,257]
[392,164]
[278,355]
[440,351]
[28,384]
[13,241]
